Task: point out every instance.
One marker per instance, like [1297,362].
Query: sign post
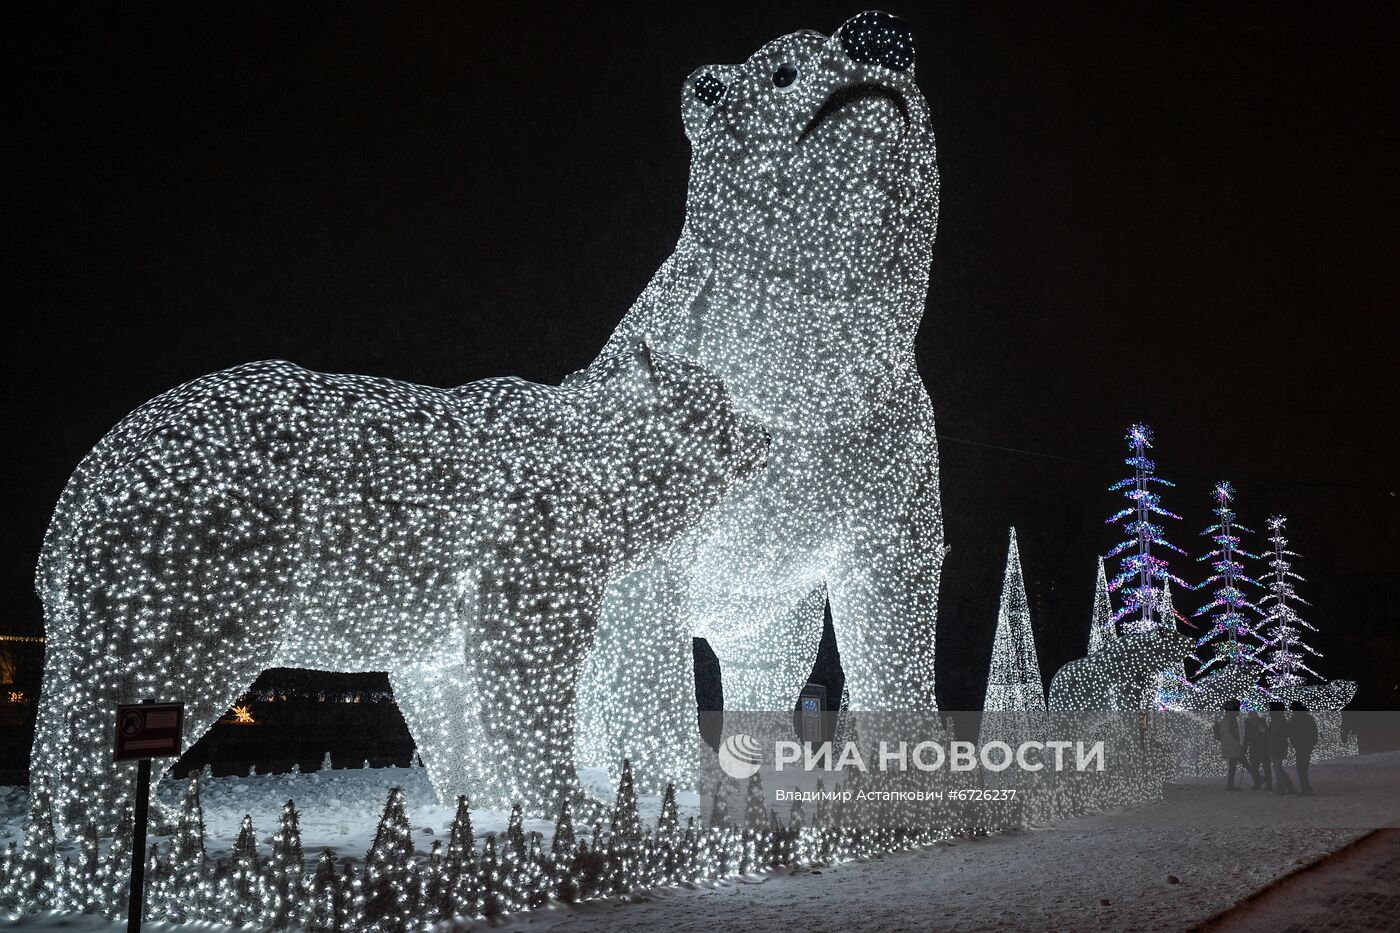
[145,730]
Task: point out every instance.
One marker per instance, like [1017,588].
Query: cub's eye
[785,77]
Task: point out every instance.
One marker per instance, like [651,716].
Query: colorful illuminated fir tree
[1141,572]
[1283,648]
[1232,638]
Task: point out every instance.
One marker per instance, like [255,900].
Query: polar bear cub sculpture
[800,278]
[460,539]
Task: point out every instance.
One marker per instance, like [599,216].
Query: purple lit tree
[1282,627]
[1233,637]
[1142,574]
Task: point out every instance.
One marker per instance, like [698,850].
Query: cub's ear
[701,96]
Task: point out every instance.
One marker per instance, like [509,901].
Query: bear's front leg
[437,705]
[636,695]
[884,596]
[534,626]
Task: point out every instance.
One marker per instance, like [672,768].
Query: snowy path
[1356,889]
[1104,872]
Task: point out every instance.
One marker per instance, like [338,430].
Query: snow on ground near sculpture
[1058,877]
[339,809]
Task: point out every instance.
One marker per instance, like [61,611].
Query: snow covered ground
[1109,871]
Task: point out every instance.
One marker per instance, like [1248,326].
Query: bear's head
[671,442]
[814,160]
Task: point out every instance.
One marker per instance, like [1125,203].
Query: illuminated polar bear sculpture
[1125,675]
[800,277]
[460,539]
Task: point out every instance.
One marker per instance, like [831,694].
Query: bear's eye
[785,76]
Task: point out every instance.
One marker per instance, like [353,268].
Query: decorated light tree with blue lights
[1282,627]
[1232,640]
[1142,574]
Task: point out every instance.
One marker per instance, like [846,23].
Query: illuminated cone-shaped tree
[534,874]
[461,866]
[756,804]
[286,869]
[159,890]
[822,817]
[492,904]
[625,835]
[89,870]
[1284,650]
[352,897]
[563,854]
[668,823]
[325,905]
[243,888]
[1231,640]
[116,865]
[188,859]
[1014,684]
[562,847]
[33,875]
[436,902]
[689,851]
[390,885]
[1101,627]
[719,809]
[515,832]
[1141,571]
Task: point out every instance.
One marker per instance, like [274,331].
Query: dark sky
[1179,213]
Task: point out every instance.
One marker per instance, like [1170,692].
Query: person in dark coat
[1227,730]
[1256,751]
[1277,738]
[1302,732]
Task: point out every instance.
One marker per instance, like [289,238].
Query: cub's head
[816,156]
[675,443]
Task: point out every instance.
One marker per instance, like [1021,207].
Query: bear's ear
[701,95]
[649,357]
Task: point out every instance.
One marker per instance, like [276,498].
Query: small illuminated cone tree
[286,887]
[1174,690]
[391,878]
[1231,640]
[1142,571]
[1101,626]
[243,889]
[668,823]
[460,865]
[33,875]
[115,879]
[326,904]
[1283,648]
[188,859]
[625,834]
[1014,683]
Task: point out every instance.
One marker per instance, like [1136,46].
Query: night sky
[1178,213]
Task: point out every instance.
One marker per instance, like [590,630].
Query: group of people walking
[1260,745]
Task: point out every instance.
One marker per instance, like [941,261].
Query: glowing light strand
[1232,635]
[1141,571]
